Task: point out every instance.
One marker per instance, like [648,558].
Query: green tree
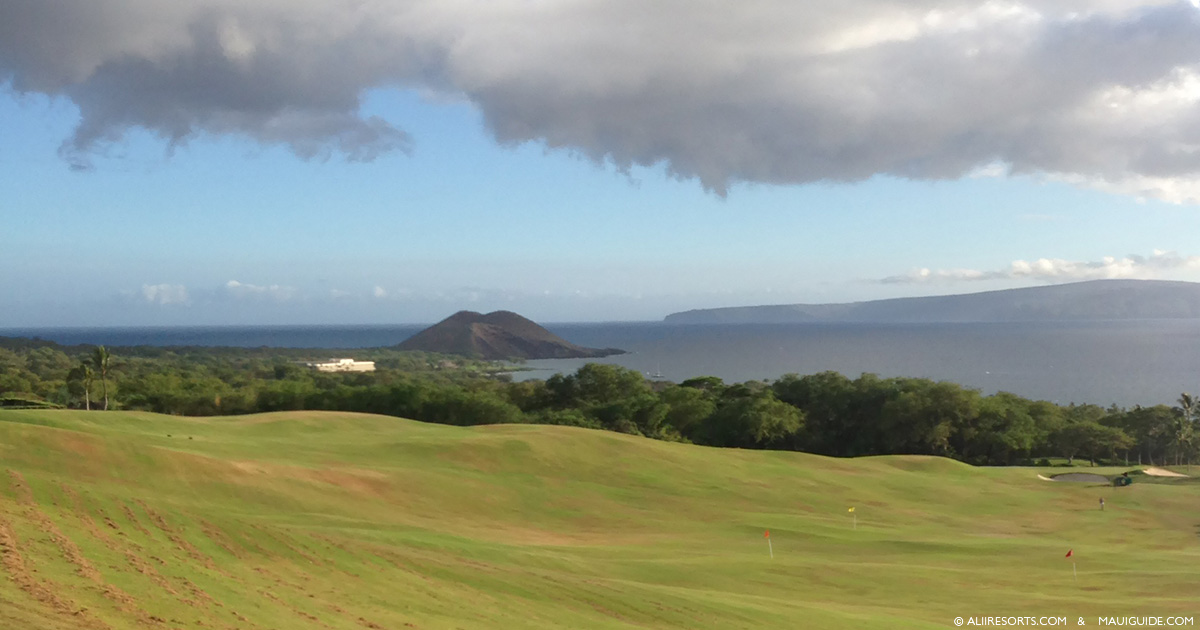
[1090,439]
[687,409]
[565,417]
[48,364]
[757,421]
[452,405]
[529,396]
[842,417]
[1000,433]
[1047,419]
[79,382]
[640,414]
[1108,441]
[710,384]
[600,383]
[1151,428]
[922,419]
[617,398]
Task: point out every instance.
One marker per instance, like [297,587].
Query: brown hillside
[495,336]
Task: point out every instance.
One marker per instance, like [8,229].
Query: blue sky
[477,209]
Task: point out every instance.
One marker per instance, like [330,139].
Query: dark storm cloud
[1095,92]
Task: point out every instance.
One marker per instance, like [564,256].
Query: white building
[343,365]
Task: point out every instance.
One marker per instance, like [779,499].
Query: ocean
[1126,363]
[231,336]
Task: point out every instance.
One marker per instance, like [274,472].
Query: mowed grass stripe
[327,520]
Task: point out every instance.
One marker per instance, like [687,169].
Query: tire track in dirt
[125,547]
[133,520]
[248,543]
[335,544]
[19,572]
[175,535]
[353,555]
[67,547]
[130,550]
[74,555]
[325,601]
[286,543]
[270,575]
[219,538]
[294,610]
[397,561]
[195,596]
[362,621]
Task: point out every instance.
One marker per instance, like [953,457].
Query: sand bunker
[1079,477]
[1154,471]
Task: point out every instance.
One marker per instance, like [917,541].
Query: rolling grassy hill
[326,520]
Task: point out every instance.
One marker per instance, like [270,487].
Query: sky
[222,162]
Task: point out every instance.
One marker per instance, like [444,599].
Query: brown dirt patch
[287,542]
[148,570]
[133,520]
[124,547]
[199,593]
[66,547]
[175,535]
[20,487]
[85,446]
[71,552]
[14,563]
[358,482]
[294,610]
[219,538]
[369,483]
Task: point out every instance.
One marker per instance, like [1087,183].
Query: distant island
[497,336]
[1092,300]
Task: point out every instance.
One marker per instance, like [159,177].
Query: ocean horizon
[1142,362]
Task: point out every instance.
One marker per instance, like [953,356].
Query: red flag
[767,534]
[1070,552]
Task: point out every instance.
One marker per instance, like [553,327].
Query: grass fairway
[325,520]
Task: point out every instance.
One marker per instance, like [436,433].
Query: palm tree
[1188,405]
[1183,431]
[101,358]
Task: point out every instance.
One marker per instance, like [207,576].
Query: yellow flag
[851,510]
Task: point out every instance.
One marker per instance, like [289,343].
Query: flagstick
[770,549]
[855,515]
[1074,572]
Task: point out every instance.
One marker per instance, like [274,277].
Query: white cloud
[165,294]
[275,292]
[1099,93]
[1059,270]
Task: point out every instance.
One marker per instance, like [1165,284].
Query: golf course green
[115,520]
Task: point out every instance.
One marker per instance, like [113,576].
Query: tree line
[826,413]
